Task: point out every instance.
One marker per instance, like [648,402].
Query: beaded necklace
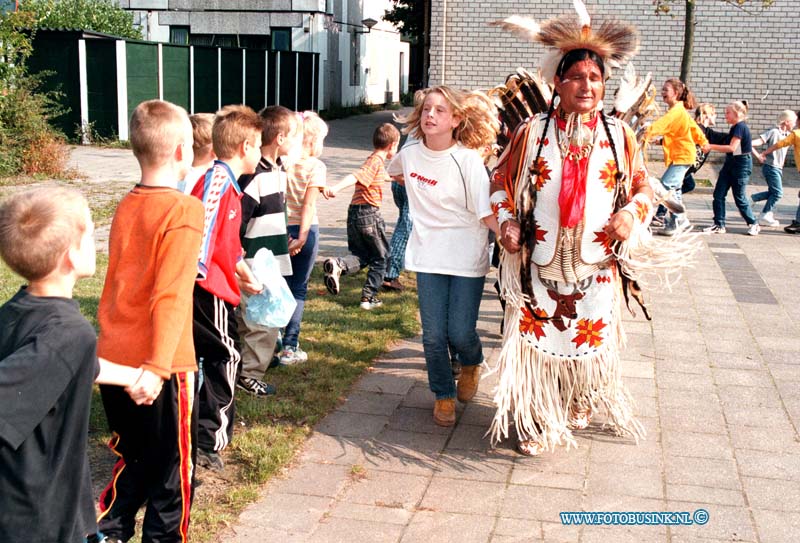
[576,134]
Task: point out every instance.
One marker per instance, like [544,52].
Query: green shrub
[97,15]
[28,144]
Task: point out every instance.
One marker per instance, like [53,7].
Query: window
[281,39]
[179,35]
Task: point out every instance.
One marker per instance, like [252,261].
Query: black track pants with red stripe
[216,345]
[155,445]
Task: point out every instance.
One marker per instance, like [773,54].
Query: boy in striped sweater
[264,226]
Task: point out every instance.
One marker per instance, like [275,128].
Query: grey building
[362,58]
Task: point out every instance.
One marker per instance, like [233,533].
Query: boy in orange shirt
[366,230]
[145,317]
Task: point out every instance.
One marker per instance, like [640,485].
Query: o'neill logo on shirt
[231,214]
[423,181]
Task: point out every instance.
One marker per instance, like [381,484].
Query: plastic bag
[272,307]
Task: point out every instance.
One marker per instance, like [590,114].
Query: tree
[411,17]
[408,16]
[96,15]
[665,6]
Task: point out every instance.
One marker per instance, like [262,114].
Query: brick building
[737,55]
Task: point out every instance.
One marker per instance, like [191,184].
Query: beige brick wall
[736,55]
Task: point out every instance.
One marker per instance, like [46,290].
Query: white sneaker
[767,219]
[753,229]
[714,229]
[290,356]
[370,303]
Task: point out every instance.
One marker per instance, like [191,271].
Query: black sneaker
[210,460]
[332,271]
[256,387]
[370,303]
[793,228]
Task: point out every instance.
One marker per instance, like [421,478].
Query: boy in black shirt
[47,366]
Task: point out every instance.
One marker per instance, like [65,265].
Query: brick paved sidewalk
[716,376]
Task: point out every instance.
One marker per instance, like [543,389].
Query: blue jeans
[774,192]
[302,264]
[673,180]
[402,230]
[734,176]
[366,240]
[448,308]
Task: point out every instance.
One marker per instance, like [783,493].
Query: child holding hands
[306,180]
[448,195]
[145,317]
[366,230]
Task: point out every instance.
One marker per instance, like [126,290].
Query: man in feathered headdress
[570,191]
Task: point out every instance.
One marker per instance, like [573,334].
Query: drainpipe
[444,38]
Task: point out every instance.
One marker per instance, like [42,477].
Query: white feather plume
[522,26]
[630,89]
[583,13]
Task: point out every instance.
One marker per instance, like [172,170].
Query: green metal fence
[101,79]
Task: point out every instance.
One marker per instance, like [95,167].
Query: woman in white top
[448,195]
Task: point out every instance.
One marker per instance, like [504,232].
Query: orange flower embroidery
[544,173]
[607,175]
[602,238]
[529,324]
[589,333]
[642,209]
[497,206]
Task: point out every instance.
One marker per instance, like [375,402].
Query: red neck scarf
[572,198]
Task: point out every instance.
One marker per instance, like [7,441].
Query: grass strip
[341,339]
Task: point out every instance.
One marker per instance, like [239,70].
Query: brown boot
[444,412]
[468,382]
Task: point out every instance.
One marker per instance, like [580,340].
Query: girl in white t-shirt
[448,196]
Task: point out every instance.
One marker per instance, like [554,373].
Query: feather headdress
[613,40]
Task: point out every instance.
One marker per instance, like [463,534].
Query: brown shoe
[468,382]
[394,284]
[444,412]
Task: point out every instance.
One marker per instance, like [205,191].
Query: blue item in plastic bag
[272,307]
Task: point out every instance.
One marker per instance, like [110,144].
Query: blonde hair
[787,115]
[704,110]
[157,127]
[202,124]
[479,123]
[233,126]
[740,107]
[314,132]
[38,226]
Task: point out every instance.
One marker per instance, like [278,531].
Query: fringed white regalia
[561,348]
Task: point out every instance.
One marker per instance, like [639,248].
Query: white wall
[379,49]
[382,64]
